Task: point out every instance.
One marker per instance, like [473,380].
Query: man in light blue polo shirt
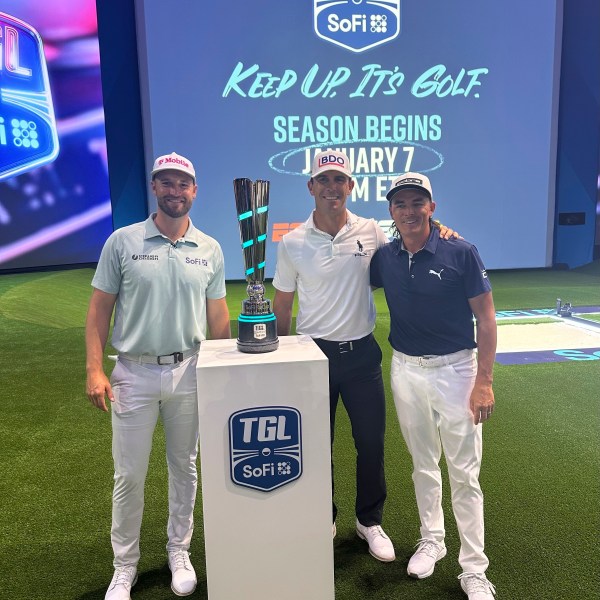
[165,281]
[442,388]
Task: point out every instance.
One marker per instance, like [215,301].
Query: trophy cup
[257,327]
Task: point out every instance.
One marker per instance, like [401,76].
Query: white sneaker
[380,545]
[422,562]
[183,580]
[120,586]
[476,586]
[333,530]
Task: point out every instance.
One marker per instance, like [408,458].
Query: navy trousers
[355,376]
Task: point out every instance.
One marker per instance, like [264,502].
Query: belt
[165,359]
[434,360]
[343,347]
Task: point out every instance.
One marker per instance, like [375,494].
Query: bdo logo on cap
[265,447]
[357,25]
[332,159]
[28,135]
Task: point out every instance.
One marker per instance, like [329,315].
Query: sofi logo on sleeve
[265,447]
[357,25]
[28,136]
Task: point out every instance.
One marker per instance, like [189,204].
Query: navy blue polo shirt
[428,300]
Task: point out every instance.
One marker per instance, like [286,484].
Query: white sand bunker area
[563,334]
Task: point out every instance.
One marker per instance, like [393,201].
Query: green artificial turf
[527,321]
[540,473]
[591,317]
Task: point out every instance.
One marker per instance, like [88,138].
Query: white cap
[414,181]
[331,160]
[176,163]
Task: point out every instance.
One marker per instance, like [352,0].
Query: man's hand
[482,402]
[97,388]
[445,232]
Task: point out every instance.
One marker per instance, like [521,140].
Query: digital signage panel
[54,196]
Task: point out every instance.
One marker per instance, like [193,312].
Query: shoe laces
[180,559]
[477,582]
[428,547]
[123,575]
[375,531]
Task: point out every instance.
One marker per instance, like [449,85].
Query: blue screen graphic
[464,92]
[28,135]
[54,196]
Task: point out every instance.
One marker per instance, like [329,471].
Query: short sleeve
[476,280]
[108,272]
[285,272]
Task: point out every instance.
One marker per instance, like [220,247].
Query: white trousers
[432,402]
[142,393]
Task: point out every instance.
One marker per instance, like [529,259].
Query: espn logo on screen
[265,447]
[357,25]
[280,229]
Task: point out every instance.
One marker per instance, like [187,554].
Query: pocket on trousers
[121,386]
[466,368]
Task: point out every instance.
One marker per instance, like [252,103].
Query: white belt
[165,359]
[433,360]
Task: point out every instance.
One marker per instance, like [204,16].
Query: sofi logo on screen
[28,135]
[357,25]
[265,447]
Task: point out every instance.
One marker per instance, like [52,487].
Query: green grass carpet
[540,475]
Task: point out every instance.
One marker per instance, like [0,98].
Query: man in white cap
[442,388]
[165,281]
[326,260]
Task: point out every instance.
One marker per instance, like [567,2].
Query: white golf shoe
[183,575]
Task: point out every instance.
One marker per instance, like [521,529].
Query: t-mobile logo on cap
[174,159]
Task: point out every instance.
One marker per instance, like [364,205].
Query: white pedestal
[273,544]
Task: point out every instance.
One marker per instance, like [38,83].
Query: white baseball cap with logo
[174,162]
[414,181]
[331,160]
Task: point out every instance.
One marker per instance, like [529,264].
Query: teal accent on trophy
[257,326]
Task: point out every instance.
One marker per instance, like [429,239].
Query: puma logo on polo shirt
[438,275]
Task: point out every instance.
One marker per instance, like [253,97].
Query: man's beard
[174,210]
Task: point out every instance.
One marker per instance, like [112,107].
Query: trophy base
[257,348]
[257,334]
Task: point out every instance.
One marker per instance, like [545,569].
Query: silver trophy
[257,327]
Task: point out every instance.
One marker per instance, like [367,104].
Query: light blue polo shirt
[161,287]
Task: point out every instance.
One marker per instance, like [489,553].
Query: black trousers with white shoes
[355,376]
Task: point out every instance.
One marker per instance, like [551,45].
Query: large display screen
[463,91]
[54,195]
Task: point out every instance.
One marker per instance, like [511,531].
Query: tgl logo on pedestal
[265,447]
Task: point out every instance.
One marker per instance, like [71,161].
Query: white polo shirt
[331,276]
[161,287]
